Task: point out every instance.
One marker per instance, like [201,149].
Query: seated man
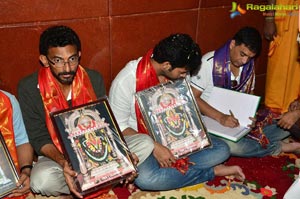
[232,67]
[172,58]
[13,130]
[59,84]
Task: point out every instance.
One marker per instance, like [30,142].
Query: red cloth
[6,126]
[145,78]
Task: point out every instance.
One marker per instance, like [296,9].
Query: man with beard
[59,84]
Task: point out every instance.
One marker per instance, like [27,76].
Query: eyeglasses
[59,62]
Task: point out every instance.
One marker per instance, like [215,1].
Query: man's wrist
[26,169]
[221,118]
[62,161]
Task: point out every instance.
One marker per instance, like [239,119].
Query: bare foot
[236,171]
[130,187]
[292,147]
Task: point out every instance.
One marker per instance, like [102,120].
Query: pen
[231,113]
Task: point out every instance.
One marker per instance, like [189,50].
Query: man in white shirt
[172,58]
[232,67]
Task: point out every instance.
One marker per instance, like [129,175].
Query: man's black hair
[180,50]
[58,36]
[250,37]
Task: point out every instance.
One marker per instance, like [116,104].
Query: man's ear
[167,66]
[44,61]
[232,44]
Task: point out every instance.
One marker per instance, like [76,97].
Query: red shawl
[6,126]
[145,78]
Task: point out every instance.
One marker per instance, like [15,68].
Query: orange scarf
[7,130]
[54,100]
[6,126]
[145,78]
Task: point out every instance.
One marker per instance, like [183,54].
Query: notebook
[242,106]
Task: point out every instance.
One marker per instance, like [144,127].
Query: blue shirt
[18,124]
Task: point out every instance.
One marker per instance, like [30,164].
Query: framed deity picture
[8,174]
[94,145]
[173,118]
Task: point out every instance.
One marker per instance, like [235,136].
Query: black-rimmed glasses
[59,62]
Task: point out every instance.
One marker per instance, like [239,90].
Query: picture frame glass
[173,118]
[94,145]
[8,174]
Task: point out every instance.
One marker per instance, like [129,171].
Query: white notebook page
[242,105]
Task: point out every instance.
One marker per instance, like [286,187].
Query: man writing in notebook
[232,67]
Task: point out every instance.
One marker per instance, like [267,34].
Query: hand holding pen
[229,120]
[234,120]
[252,125]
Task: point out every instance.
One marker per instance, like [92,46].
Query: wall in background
[114,32]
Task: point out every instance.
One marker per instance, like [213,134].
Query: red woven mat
[269,176]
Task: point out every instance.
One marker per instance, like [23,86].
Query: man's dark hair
[250,37]
[58,36]
[180,50]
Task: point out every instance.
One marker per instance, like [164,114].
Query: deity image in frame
[94,145]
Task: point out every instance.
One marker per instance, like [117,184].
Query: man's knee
[140,144]
[48,181]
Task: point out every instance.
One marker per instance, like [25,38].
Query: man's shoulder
[131,65]
[97,81]
[91,71]
[9,95]
[93,74]
[6,93]
[129,70]
[28,81]
[208,56]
